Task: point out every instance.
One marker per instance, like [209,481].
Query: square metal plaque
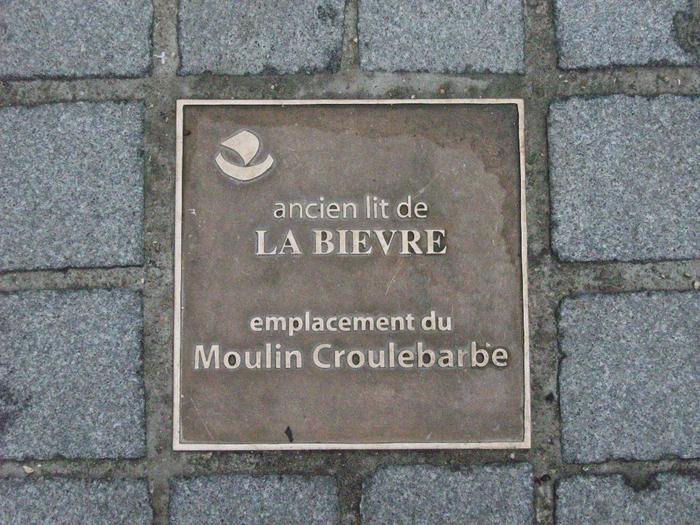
[350,274]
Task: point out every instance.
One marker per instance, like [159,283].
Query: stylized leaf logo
[246,145]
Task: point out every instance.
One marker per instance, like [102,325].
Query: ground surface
[612,139]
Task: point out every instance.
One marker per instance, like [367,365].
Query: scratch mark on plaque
[290,436]
[391,281]
[430,181]
[204,422]
[454,334]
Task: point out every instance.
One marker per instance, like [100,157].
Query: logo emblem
[246,145]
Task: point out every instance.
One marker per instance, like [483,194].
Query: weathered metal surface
[241,164]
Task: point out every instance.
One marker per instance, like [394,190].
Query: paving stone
[629,376]
[70,374]
[72,501]
[674,500]
[75,38]
[433,495]
[254,500]
[71,181]
[260,36]
[442,36]
[600,33]
[624,178]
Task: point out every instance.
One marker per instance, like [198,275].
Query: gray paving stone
[432,495]
[74,501]
[254,500]
[629,384]
[600,33]
[608,501]
[442,36]
[624,176]
[71,181]
[70,374]
[75,38]
[260,36]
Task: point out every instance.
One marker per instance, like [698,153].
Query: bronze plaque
[350,274]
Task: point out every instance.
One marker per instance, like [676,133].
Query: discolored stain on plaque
[350,274]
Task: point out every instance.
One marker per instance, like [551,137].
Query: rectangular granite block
[70,375]
[443,36]
[432,495]
[254,500]
[671,499]
[603,33]
[74,501]
[75,38]
[71,180]
[260,36]
[629,374]
[624,178]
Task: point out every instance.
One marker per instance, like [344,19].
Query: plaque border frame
[178,445]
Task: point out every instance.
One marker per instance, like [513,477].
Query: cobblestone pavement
[87,171]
